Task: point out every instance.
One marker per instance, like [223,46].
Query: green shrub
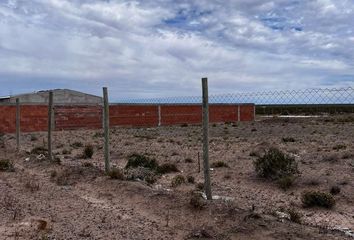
[116,173]
[167,168]
[274,164]
[88,151]
[218,164]
[6,165]
[319,199]
[137,160]
[178,180]
[286,182]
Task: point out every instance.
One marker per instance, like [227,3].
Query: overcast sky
[158,48]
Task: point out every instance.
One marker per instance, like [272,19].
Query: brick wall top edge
[125,104]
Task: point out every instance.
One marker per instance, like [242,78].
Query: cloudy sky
[158,48]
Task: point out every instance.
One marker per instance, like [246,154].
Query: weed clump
[116,173]
[190,179]
[335,190]
[196,201]
[88,152]
[167,168]
[178,180]
[219,164]
[288,139]
[39,150]
[274,165]
[318,199]
[137,160]
[295,216]
[286,182]
[6,165]
[77,144]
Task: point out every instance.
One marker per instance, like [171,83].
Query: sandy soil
[86,204]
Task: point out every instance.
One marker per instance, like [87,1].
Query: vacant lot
[74,199]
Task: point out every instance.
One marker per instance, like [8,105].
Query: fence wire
[283,97]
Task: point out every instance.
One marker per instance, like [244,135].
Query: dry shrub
[6,165]
[87,152]
[32,185]
[116,173]
[138,160]
[178,180]
[318,199]
[274,165]
[219,164]
[167,168]
[197,201]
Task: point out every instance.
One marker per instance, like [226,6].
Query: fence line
[305,96]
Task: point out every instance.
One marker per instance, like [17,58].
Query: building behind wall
[61,96]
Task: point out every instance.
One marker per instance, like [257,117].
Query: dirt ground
[76,200]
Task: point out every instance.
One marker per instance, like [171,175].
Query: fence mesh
[306,96]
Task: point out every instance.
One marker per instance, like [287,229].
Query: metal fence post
[18,119]
[106,130]
[50,125]
[207,186]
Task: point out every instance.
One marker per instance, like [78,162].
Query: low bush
[167,168]
[286,182]
[335,190]
[137,160]
[318,199]
[295,216]
[77,144]
[6,165]
[218,164]
[190,179]
[197,201]
[339,147]
[39,150]
[87,152]
[178,180]
[274,165]
[288,139]
[116,173]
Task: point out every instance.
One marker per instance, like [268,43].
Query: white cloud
[160,48]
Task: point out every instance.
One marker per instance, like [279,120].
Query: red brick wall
[7,119]
[133,115]
[178,114]
[77,117]
[247,112]
[35,117]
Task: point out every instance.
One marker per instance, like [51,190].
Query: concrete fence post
[207,185]
[238,113]
[50,125]
[159,114]
[106,130]
[18,124]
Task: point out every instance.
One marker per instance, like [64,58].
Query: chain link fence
[307,101]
